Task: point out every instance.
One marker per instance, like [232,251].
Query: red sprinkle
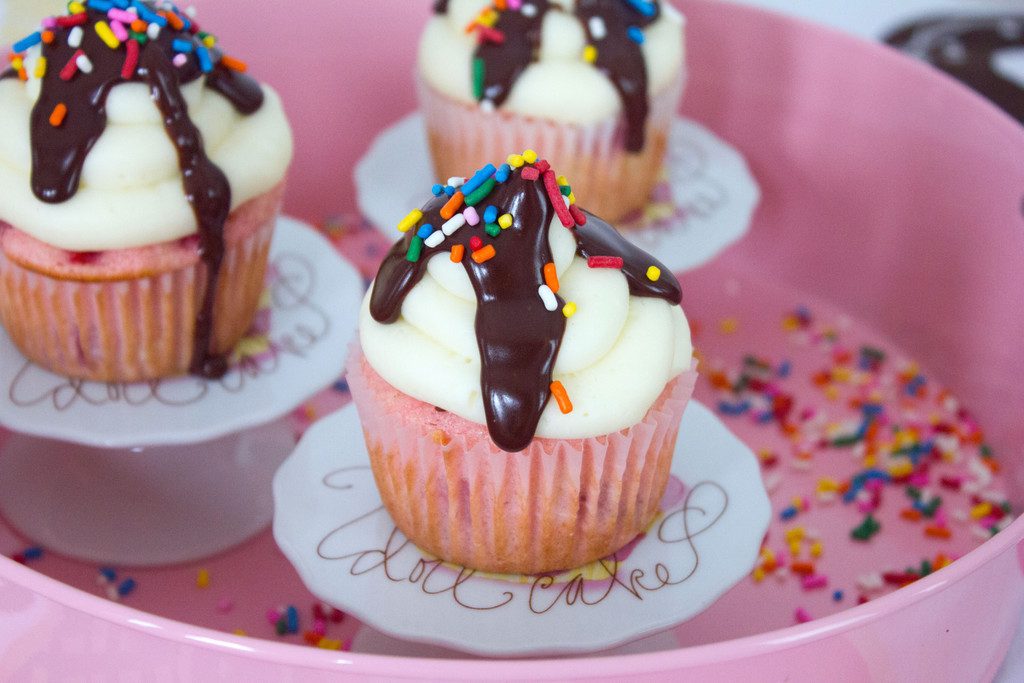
[490,35]
[555,195]
[475,243]
[71,68]
[543,167]
[577,215]
[530,173]
[131,60]
[605,262]
[72,20]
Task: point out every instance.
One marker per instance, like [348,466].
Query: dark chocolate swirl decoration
[103,43]
[504,248]
[509,36]
[966,49]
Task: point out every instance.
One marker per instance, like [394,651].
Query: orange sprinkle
[458,251]
[483,254]
[22,74]
[551,277]
[48,37]
[802,567]
[173,19]
[58,114]
[453,205]
[936,531]
[234,64]
[911,514]
[562,398]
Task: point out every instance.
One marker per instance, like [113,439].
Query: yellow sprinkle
[768,555]
[410,220]
[901,469]
[980,510]
[828,484]
[327,644]
[758,574]
[488,17]
[76,7]
[515,160]
[832,393]
[209,41]
[794,548]
[569,309]
[202,578]
[729,325]
[240,632]
[530,157]
[795,534]
[816,549]
[40,67]
[790,323]
[842,374]
[17,63]
[505,221]
[106,35]
[590,54]
[572,198]
[562,180]
[653,273]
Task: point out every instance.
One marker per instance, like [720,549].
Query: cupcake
[520,375]
[142,174]
[596,83]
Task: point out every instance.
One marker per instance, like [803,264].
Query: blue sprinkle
[292,616]
[635,34]
[478,179]
[727,408]
[915,384]
[100,5]
[490,214]
[126,587]
[838,596]
[765,416]
[788,513]
[341,386]
[449,190]
[785,368]
[109,574]
[33,553]
[425,231]
[504,173]
[148,15]
[205,62]
[644,7]
[180,45]
[120,4]
[437,190]
[27,42]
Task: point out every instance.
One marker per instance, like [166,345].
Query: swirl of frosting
[130,193]
[477,337]
[573,61]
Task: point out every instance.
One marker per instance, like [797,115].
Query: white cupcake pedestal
[705,202]
[330,523]
[171,471]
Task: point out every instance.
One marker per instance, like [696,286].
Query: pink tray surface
[889,191]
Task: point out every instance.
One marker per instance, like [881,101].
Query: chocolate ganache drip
[518,333]
[164,49]
[614,31]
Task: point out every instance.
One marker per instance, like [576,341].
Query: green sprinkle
[140,37]
[480,193]
[492,229]
[868,528]
[415,249]
[846,441]
[566,190]
[478,78]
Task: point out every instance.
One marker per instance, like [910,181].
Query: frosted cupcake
[119,207]
[595,83]
[521,375]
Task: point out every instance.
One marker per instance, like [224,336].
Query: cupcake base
[561,503]
[608,180]
[130,315]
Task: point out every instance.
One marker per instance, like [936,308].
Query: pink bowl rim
[729,650]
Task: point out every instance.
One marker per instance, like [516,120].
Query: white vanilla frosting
[560,85]
[618,352]
[131,192]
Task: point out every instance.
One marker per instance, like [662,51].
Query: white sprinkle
[567,202]
[180,59]
[434,239]
[869,582]
[548,297]
[981,532]
[84,65]
[487,106]
[772,482]
[112,593]
[153,31]
[456,182]
[597,28]
[191,11]
[133,9]
[75,37]
[453,224]
[529,10]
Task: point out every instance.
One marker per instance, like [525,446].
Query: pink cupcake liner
[558,504]
[92,325]
[607,180]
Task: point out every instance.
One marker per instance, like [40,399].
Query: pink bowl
[888,189]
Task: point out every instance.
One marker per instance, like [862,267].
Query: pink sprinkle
[471,215]
[273,616]
[50,22]
[812,581]
[180,59]
[320,627]
[225,605]
[802,616]
[874,485]
[940,517]
[530,173]
[918,479]
[119,31]
[515,4]
[122,15]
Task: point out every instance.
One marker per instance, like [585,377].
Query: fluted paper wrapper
[140,328]
[608,180]
[558,504]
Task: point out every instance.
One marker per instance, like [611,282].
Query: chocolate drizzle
[59,153]
[517,336]
[619,56]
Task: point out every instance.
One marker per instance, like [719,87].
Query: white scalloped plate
[329,521]
[709,194]
[314,297]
